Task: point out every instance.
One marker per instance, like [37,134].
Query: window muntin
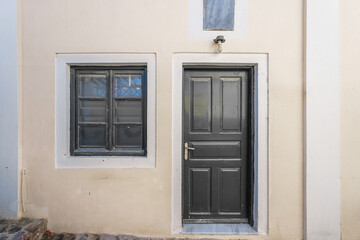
[108,111]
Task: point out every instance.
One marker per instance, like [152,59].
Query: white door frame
[261,200]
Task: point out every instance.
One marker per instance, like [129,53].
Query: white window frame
[63,159]
[261,198]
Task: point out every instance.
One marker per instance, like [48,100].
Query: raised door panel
[230,104]
[215,150]
[229,191]
[200,191]
[201,104]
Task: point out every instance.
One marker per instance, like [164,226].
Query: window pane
[92,85]
[128,136]
[127,86]
[92,111]
[108,119]
[92,136]
[128,111]
[219,15]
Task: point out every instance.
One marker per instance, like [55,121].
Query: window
[210,18]
[218,15]
[108,111]
[117,156]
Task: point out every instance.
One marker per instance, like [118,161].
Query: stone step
[22,229]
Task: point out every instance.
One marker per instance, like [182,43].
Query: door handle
[187,148]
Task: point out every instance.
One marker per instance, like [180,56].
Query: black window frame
[110,148]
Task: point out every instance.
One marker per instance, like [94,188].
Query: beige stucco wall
[138,201]
[350,118]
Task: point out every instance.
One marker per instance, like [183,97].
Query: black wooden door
[215,145]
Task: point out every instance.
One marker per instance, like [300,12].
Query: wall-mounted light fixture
[219,40]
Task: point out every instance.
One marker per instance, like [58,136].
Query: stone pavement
[36,229]
[22,229]
[68,236]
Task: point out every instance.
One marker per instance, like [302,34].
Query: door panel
[201,104]
[230,102]
[215,121]
[200,185]
[217,150]
[229,191]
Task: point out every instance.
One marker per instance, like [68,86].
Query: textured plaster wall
[350,118]
[138,201]
[8,110]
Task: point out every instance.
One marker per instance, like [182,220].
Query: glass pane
[92,85]
[92,111]
[92,136]
[219,15]
[128,136]
[127,86]
[128,111]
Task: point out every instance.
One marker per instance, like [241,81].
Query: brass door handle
[187,148]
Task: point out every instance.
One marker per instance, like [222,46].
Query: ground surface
[22,229]
[67,236]
[36,229]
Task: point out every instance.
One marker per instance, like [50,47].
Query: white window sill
[105,162]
